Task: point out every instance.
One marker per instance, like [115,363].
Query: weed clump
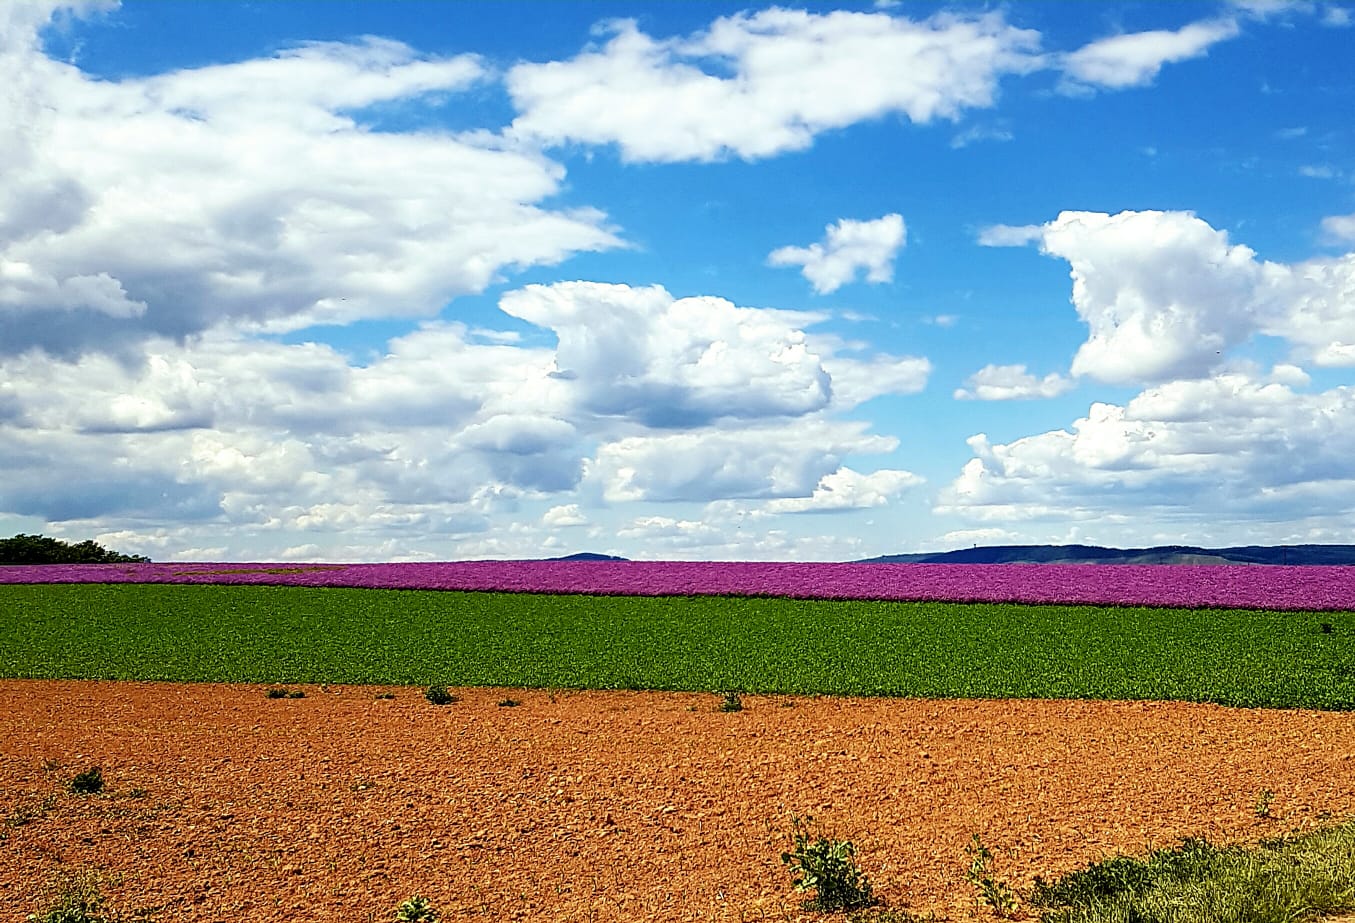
[827,867]
[994,892]
[439,695]
[416,910]
[731,702]
[77,900]
[89,782]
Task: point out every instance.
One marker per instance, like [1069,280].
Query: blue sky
[389,281]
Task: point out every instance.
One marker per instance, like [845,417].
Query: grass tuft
[74,899]
[89,782]
[439,695]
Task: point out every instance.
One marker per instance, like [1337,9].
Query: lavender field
[1243,587]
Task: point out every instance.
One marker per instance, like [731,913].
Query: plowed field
[221,804]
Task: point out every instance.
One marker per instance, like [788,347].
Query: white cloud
[1238,451]
[753,462]
[755,85]
[846,489]
[294,447]
[710,538]
[670,362]
[847,248]
[252,193]
[1011,382]
[1315,309]
[1007,235]
[979,133]
[1319,171]
[1266,9]
[1337,17]
[1164,295]
[857,380]
[564,516]
[1339,228]
[1135,59]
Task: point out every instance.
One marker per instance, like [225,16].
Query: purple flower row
[1309,587]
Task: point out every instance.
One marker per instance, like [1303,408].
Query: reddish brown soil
[222,805]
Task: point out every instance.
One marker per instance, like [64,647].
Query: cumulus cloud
[1314,309]
[563,516]
[757,84]
[1163,293]
[846,489]
[271,445]
[848,247]
[762,462]
[669,362]
[252,193]
[1245,447]
[1166,296]
[1010,383]
[1135,59]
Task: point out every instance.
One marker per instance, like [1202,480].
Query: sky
[675,280]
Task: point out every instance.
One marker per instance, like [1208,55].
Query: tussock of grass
[1295,878]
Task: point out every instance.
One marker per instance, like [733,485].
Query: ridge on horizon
[1159,554]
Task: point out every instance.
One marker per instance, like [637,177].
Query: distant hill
[1162,554]
[588,556]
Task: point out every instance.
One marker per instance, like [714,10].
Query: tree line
[39,549]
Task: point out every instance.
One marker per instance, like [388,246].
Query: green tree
[39,549]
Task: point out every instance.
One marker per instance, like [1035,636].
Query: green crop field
[305,635]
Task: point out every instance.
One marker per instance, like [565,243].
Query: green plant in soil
[416,909]
[994,892]
[827,867]
[731,702]
[1261,808]
[439,695]
[89,782]
[77,900]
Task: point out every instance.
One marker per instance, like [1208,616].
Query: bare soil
[223,805]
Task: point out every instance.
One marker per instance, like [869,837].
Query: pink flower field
[1245,587]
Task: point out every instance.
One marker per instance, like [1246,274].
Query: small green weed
[89,782]
[828,867]
[76,900]
[1261,807]
[994,892]
[439,695]
[385,695]
[416,910]
[731,702]
[276,693]
[509,703]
